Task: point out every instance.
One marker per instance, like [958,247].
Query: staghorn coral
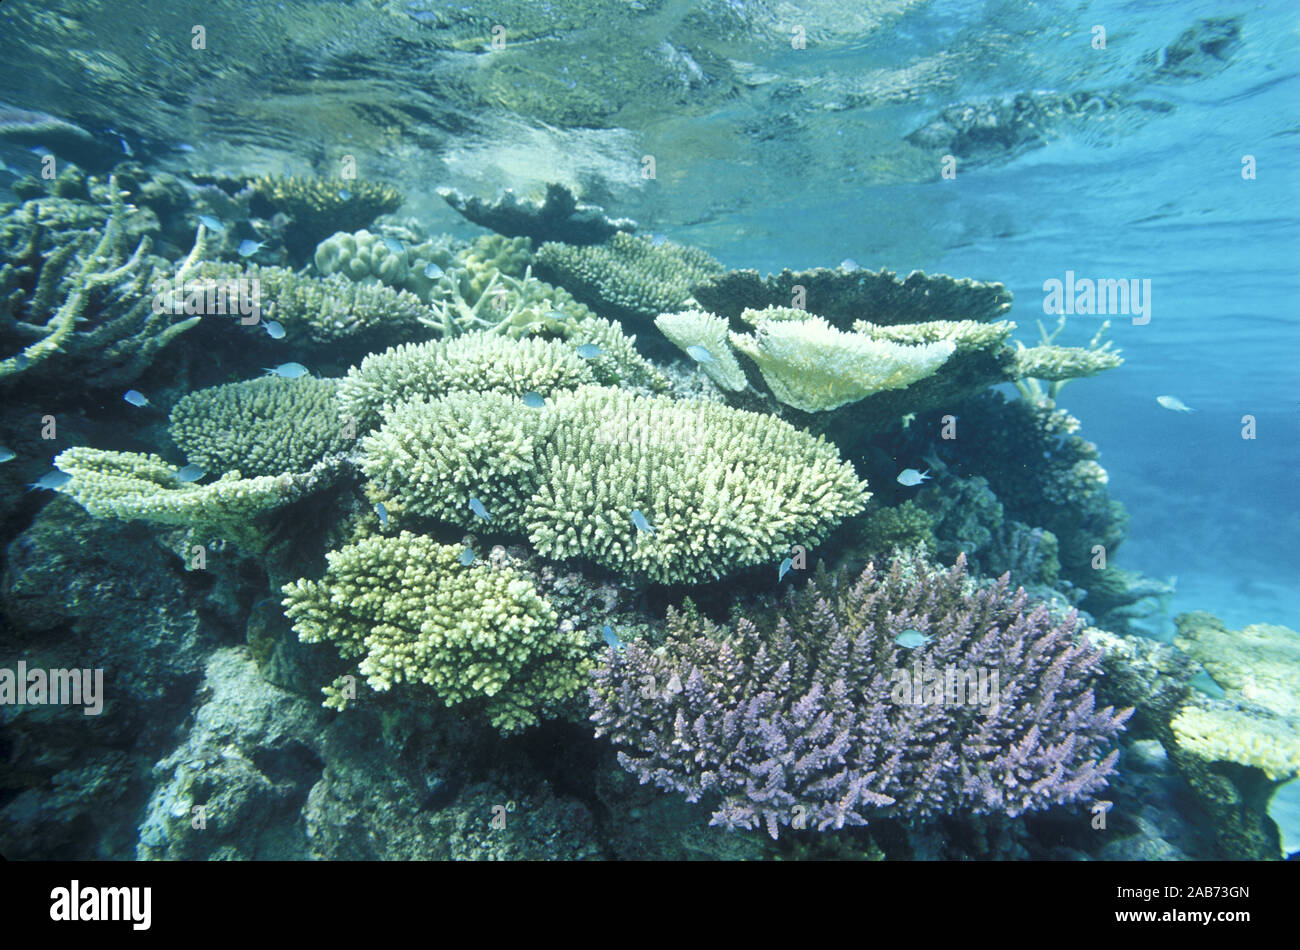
[819,717]
[128,486]
[720,488]
[474,362]
[413,613]
[90,313]
[810,365]
[319,207]
[697,328]
[630,278]
[262,426]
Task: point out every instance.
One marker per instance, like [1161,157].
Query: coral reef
[89,313]
[810,365]
[319,207]
[557,217]
[261,427]
[843,296]
[695,328]
[630,278]
[129,486]
[814,719]
[472,363]
[413,613]
[717,488]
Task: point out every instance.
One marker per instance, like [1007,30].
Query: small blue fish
[274,330]
[190,473]
[589,351]
[849,264]
[345,194]
[125,148]
[534,400]
[611,637]
[432,271]
[52,480]
[135,397]
[910,477]
[476,506]
[248,247]
[556,315]
[700,354]
[7,453]
[658,239]
[286,370]
[383,514]
[211,223]
[467,557]
[185,147]
[911,639]
[21,361]
[394,245]
[784,569]
[638,519]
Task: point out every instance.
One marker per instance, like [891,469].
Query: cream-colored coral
[810,365]
[697,328]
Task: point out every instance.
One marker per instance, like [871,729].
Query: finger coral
[413,613]
[818,717]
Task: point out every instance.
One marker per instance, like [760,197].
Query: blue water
[1164,200]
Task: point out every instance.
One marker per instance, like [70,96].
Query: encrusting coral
[715,488]
[821,716]
[413,613]
[262,426]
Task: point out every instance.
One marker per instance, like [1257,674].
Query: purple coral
[817,715]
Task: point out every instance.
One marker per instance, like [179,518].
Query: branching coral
[695,328]
[129,486]
[717,488]
[108,326]
[475,362]
[630,278]
[320,207]
[819,717]
[262,426]
[413,613]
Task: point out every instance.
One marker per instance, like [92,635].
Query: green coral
[630,277]
[697,328]
[843,295]
[474,362]
[322,312]
[129,486]
[90,313]
[810,365]
[720,488]
[262,426]
[320,207]
[413,613]
[1259,663]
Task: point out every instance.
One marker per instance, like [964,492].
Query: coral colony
[709,521]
